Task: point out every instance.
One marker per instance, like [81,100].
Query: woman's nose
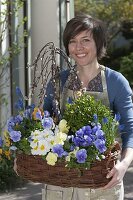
[79,45]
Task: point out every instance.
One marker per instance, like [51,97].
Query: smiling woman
[85,42]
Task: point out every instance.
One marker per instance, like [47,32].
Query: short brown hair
[82,23]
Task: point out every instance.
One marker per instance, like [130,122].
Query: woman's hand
[119,170]
[117,174]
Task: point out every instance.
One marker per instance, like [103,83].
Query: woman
[84,41]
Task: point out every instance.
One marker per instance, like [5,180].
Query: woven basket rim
[35,169]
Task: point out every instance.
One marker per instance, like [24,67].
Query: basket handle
[115,150]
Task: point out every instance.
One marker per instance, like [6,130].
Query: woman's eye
[85,40]
[72,41]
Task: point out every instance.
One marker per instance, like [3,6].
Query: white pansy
[46,133]
[43,147]
[34,143]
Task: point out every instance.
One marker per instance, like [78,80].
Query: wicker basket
[35,169]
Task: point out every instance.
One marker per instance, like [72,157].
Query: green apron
[58,193]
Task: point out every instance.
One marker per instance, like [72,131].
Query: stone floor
[128,184]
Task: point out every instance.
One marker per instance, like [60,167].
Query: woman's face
[82,49]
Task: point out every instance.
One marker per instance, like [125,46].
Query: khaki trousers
[58,193]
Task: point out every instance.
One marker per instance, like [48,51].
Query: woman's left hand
[117,174]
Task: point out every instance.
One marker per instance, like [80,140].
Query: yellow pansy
[6,134]
[1,151]
[7,154]
[51,158]
[63,127]
[7,142]
[60,138]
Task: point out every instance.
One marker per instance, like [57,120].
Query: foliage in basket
[82,136]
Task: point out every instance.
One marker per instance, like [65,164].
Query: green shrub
[126,67]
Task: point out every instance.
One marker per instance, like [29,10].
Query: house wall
[44,24]
[46,21]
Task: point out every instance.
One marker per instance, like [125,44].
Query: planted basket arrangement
[78,151]
[75,149]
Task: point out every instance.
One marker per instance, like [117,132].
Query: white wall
[44,24]
[44,28]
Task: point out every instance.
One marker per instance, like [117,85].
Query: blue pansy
[100,134]
[96,128]
[18,92]
[70,100]
[47,122]
[58,148]
[79,133]
[95,117]
[18,119]
[87,130]
[27,113]
[1,142]
[39,115]
[81,155]
[77,141]
[105,120]
[100,145]
[46,114]
[72,147]
[19,105]
[88,140]
[10,124]
[117,117]
[15,136]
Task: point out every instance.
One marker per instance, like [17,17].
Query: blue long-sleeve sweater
[120,98]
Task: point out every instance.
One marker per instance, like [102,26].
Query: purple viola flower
[58,148]
[117,117]
[77,141]
[38,115]
[70,100]
[47,122]
[88,140]
[99,134]
[1,141]
[100,145]
[96,128]
[15,136]
[10,128]
[81,156]
[18,119]
[46,114]
[27,113]
[10,124]
[79,133]
[72,147]
[31,107]
[18,92]
[105,120]
[95,117]
[19,105]
[87,130]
